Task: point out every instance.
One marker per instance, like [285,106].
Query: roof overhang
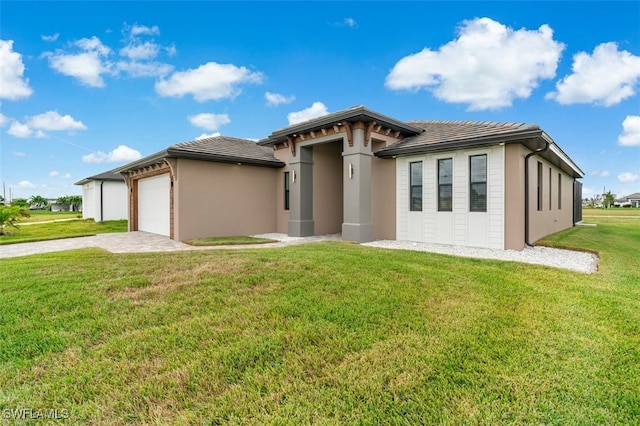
[533,139]
[351,115]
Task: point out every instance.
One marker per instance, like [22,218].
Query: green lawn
[43,215]
[56,230]
[328,333]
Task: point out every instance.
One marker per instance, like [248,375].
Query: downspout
[101,201]
[526,191]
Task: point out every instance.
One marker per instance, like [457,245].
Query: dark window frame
[559,191]
[287,191]
[539,186]
[415,202]
[478,202]
[443,206]
[550,188]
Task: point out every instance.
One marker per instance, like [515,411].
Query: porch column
[301,193]
[356,165]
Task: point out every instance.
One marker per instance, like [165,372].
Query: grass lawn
[43,215]
[57,230]
[329,333]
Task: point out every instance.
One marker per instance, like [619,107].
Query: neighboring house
[104,197]
[366,176]
[632,200]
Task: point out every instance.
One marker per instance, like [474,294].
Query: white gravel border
[566,259]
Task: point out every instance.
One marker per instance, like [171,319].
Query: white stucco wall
[114,197]
[460,226]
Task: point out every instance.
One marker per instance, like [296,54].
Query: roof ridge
[477,122]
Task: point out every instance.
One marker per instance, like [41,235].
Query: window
[559,191]
[286,190]
[415,186]
[445,184]
[478,183]
[549,188]
[539,186]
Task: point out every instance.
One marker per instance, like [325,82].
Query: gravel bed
[566,259]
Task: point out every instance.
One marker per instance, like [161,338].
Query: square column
[301,193]
[356,162]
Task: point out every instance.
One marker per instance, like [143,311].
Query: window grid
[445,185]
[415,186]
[478,183]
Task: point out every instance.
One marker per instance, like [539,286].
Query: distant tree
[20,202]
[1,199]
[607,199]
[63,201]
[9,215]
[38,202]
[75,201]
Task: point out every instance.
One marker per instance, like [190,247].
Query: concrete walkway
[131,242]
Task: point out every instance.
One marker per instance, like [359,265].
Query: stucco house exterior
[104,197]
[632,200]
[366,176]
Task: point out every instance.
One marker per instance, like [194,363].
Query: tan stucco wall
[282,215]
[383,195]
[218,199]
[548,221]
[514,196]
[327,188]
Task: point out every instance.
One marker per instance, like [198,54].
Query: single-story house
[632,200]
[104,197]
[366,176]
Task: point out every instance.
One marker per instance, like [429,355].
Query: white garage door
[153,204]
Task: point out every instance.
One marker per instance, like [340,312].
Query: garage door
[153,204]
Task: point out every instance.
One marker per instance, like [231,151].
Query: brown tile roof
[440,135]
[225,149]
[109,176]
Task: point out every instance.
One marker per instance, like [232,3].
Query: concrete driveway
[129,242]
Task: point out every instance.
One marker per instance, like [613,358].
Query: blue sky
[88,86]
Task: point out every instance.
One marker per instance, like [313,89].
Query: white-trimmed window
[445,185]
[478,183]
[415,186]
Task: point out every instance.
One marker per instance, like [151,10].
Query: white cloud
[121,154]
[206,136]
[52,37]
[67,176]
[54,173]
[12,83]
[209,121]
[628,177]
[3,119]
[604,78]
[601,173]
[275,99]
[19,130]
[208,81]
[137,51]
[630,135]
[86,66]
[318,109]
[350,22]
[25,184]
[488,66]
[52,120]
[144,69]
[137,30]
[20,154]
